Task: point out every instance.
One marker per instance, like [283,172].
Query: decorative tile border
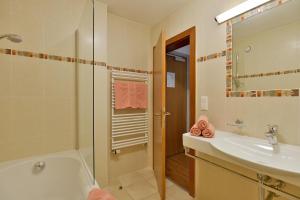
[44,56]
[229,57]
[254,93]
[265,93]
[285,72]
[127,69]
[212,56]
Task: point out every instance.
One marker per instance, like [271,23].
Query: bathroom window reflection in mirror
[266,49]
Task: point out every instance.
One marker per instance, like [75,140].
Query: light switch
[204,103]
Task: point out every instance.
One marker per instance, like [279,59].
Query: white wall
[129,46]
[128,43]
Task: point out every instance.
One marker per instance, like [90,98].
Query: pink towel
[98,194]
[141,97]
[209,132]
[129,94]
[121,94]
[202,122]
[195,131]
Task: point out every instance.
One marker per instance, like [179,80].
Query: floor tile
[177,193]
[146,173]
[152,181]
[169,183]
[154,196]
[117,193]
[131,178]
[140,190]
[141,185]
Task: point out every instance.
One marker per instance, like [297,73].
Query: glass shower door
[46,78]
[85,85]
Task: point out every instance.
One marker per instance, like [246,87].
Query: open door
[159,114]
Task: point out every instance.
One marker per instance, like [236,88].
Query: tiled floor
[141,185]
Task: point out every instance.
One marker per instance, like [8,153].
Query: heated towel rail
[130,128]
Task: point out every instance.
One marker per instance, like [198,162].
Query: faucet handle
[272,129]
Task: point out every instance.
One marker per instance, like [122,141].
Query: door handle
[167,114]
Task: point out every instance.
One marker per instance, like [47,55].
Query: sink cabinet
[216,183]
[221,180]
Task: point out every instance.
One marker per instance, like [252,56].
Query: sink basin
[260,152]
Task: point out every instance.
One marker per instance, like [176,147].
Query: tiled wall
[37,91]
[37,107]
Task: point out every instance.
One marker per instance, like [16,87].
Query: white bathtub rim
[74,154]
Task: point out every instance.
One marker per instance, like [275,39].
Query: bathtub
[63,177]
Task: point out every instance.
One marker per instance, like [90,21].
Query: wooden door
[159,114]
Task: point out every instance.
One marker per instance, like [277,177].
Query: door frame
[179,40]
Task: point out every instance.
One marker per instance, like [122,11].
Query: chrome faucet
[272,134]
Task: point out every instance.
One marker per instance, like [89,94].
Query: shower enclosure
[46,88]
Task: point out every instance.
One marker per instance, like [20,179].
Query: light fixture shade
[239,9]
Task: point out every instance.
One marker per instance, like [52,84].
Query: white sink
[252,153]
[260,152]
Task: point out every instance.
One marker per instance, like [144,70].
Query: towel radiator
[130,127]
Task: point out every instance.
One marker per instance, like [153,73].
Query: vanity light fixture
[239,9]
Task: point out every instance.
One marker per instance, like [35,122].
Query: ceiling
[148,12]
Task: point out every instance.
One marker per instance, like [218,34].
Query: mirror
[266,49]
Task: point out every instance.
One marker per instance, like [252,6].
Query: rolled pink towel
[209,132]
[195,130]
[98,194]
[202,122]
